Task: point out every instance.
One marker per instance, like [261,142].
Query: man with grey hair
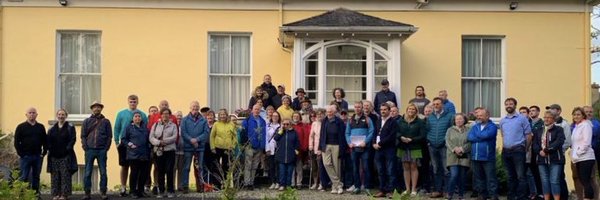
[332,142]
[483,155]
[448,105]
[254,131]
[30,143]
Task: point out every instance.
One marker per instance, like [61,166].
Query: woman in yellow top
[285,110]
[223,137]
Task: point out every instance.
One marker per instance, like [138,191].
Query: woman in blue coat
[138,154]
[285,153]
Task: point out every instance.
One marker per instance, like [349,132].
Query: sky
[596,42]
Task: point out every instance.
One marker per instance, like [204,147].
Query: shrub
[501,174]
[16,189]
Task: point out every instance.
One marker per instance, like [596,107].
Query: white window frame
[230,34]
[502,76]
[391,55]
[74,117]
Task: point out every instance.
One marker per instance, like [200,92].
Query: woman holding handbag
[457,151]
[163,136]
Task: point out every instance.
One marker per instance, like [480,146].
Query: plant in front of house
[16,189]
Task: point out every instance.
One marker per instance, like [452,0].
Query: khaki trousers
[331,160]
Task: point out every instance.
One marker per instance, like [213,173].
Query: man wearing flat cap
[96,137]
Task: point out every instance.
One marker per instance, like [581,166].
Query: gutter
[410,29]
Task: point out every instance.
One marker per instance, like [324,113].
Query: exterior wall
[162,54]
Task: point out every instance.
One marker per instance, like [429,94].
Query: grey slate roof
[342,17]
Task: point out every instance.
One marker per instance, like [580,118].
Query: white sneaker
[170,195]
[272,186]
[413,194]
[281,188]
[350,189]
[333,191]
[276,186]
[320,188]
[340,190]
[160,196]
[314,186]
[404,193]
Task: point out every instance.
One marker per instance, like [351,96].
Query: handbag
[158,150]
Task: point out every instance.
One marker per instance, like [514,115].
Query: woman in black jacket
[547,143]
[138,154]
[285,153]
[60,140]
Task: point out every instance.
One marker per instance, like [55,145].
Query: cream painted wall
[162,54]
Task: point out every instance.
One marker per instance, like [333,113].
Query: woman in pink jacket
[318,170]
[582,154]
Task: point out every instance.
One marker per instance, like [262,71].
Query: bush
[501,174]
[8,154]
[16,189]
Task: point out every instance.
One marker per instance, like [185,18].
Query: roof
[342,19]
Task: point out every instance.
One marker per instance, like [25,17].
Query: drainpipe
[281,35]
[587,54]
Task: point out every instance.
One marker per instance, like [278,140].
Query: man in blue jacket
[332,145]
[96,138]
[448,105]
[483,155]
[589,111]
[256,132]
[360,126]
[438,123]
[194,131]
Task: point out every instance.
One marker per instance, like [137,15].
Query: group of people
[430,147]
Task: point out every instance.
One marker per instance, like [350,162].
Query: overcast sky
[596,56]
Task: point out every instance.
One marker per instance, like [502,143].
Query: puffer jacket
[96,133]
[437,127]
[138,136]
[483,142]
[167,133]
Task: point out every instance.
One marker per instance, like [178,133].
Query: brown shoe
[435,195]
[379,195]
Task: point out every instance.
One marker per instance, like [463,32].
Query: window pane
[240,93]
[471,93]
[312,95]
[471,58]
[382,45]
[380,68]
[91,53]
[70,98]
[90,91]
[311,83]
[312,67]
[240,55]
[219,54]
[490,94]
[69,53]
[309,44]
[379,57]
[348,83]
[347,52]
[346,68]
[491,58]
[219,92]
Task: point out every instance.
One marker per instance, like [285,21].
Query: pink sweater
[314,136]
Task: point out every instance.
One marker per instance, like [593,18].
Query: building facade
[216,52]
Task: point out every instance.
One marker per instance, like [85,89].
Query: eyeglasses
[286,124]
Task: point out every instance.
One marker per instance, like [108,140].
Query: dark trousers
[272,169]
[514,162]
[361,159]
[485,180]
[165,166]
[138,176]
[220,166]
[286,170]
[424,171]
[31,164]
[347,172]
[584,172]
[325,181]
[385,160]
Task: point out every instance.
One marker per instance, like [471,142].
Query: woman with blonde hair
[412,133]
[222,141]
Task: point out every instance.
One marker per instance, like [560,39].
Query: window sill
[77,121]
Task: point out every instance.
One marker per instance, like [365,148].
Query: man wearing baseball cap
[96,137]
[384,95]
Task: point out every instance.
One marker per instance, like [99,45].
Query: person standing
[30,143]
[194,132]
[537,124]
[269,88]
[152,119]
[457,153]
[560,121]
[96,138]
[589,112]
[448,105]
[61,139]
[516,138]
[384,144]
[438,123]
[384,95]
[338,98]
[420,99]
[272,128]
[285,110]
[163,136]
[359,133]
[179,154]
[411,133]
[300,96]
[123,121]
[319,174]
[276,99]
[222,140]
[331,144]
[582,153]
[483,155]
[286,152]
[302,132]
[259,94]
[255,132]
[547,144]
[136,140]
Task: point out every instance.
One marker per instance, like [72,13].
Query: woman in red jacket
[303,131]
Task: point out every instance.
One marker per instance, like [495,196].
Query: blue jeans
[530,180]
[187,161]
[484,177]
[90,155]
[385,160]
[550,175]
[514,162]
[458,177]
[347,170]
[286,170]
[358,159]
[323,177]
[31,164]
[438,160]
